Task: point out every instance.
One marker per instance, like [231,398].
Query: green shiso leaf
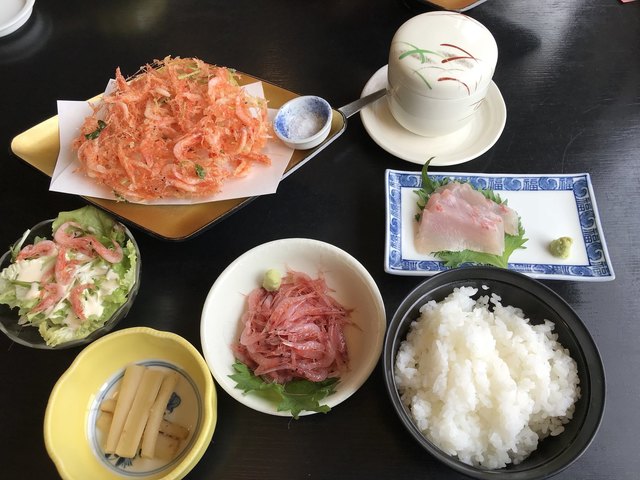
[246,380]
[455,259]
[295,396]
[200,171]
[428,187]
[93,135]
[511,244]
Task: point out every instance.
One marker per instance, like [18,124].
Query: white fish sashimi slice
[475,198]
[453,220]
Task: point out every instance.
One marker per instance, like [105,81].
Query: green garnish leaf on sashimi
[511,244]
[428,187]
[295,396]
[455,259]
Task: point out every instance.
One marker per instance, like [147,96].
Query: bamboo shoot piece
[166,448]
[174,430]
[156,415]
[137,419]
[103,423]
[108,405]
[130,381]
[167,427]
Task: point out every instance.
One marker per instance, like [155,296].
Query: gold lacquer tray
[39,147]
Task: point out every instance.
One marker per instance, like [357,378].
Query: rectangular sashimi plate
[550,206]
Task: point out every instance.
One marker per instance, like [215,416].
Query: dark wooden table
[569,72]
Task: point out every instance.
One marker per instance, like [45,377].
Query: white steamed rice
[485,385]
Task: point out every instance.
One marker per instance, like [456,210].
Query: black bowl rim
[595,373]
[118,315]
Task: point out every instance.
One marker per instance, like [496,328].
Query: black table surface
[569,72]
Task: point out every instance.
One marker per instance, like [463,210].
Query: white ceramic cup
[440,67]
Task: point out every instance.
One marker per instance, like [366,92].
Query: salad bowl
[29,335]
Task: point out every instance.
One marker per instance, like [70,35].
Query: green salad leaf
[455,259]
[294,396]
[96,221]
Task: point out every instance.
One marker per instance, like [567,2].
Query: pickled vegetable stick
[128,388]
[136,420]
[166,426]
[166,447]
[103,423]
[156,414]
[174,430]
[108,405]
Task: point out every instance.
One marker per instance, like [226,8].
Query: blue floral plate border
[581,215]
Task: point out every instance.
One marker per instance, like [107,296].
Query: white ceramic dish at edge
[550,206]
[14,14]
[353,287]
[461,146]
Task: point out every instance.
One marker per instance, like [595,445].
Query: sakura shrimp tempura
[178,129]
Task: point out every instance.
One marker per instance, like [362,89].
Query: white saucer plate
[457,147]
[14,14]
[352,286]
[550,206]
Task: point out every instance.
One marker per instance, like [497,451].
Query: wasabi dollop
[561,247]
[272,280]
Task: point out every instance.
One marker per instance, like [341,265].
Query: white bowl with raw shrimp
[351,284]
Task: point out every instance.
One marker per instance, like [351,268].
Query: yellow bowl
[70,432]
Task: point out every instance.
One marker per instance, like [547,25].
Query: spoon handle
[354,107]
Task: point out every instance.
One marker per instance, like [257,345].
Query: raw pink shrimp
[43,248]
[64,269]
[75,297]
[111,256]
[69,235]
[51,294]
[295,332]
[86,244]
